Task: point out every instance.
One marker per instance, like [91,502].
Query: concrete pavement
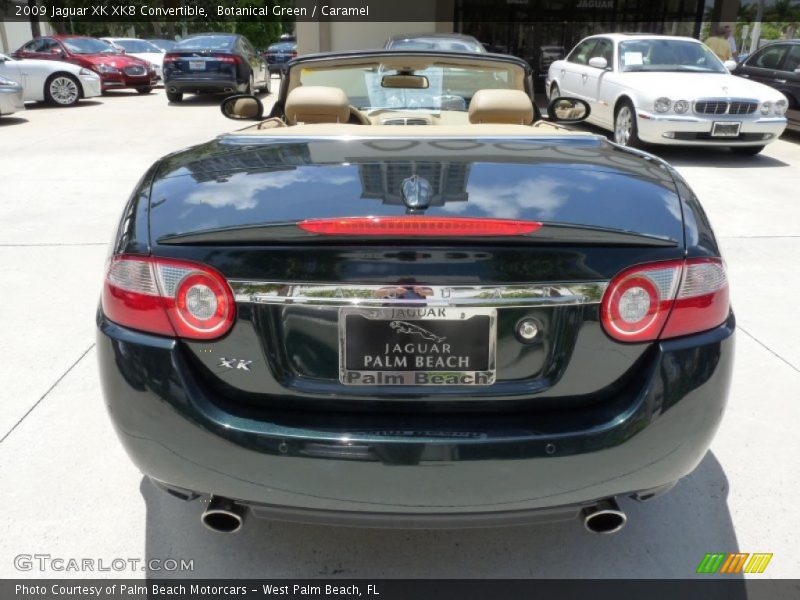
[69,490]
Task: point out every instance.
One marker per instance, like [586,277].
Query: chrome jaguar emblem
[416,192]
[411,328]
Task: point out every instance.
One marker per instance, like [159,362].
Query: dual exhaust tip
[227,516]
[223,515]
[605,517]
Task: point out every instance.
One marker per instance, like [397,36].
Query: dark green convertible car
[394,303]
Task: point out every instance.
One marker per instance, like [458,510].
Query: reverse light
[665,300]
[417,226]
[167,297]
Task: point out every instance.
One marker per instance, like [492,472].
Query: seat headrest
[513,107]
[317,104]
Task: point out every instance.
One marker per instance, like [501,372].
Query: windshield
[88,46]
[438,86]
[447,45]
[668,55]
[137,46]
[206,42]
[164,44]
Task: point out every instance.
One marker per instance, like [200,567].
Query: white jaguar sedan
[668,90]
[54,81]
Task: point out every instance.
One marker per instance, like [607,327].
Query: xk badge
[235,363]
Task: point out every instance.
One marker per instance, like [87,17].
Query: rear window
[206,42]
[137,46]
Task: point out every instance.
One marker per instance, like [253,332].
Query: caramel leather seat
[511,107]
[317,104]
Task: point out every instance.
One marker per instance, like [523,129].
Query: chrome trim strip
[309,294]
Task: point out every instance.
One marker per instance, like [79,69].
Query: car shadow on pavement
[666,537]
[47,106]
[208,99]
[8,121]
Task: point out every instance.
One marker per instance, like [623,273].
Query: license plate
[197,65]
[417,346]
[725,129]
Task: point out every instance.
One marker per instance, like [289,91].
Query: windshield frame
[520,69]
[703,48]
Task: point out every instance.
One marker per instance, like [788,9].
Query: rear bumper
[199,85]
[693,130]
[415,473]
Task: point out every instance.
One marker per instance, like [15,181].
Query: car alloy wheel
[623,127]
[63,90]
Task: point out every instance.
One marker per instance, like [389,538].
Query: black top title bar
[566,11]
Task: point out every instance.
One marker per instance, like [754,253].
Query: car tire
[174,96]
[747,150]
[144,90]
[626,132]
[62,89]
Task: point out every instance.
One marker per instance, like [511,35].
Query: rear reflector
[416,226]
[666,300]
[167,297]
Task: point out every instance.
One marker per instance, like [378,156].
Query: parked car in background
[448,42]
[281,52]
[214,63]
[10,97]
[116,71]
[165,45]
[668,90]
[778,66]
[140,49]
[59,83]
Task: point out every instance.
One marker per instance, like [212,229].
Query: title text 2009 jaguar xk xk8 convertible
[403,298]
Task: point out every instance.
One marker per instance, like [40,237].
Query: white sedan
[668,90]
[57,82]
[140,49]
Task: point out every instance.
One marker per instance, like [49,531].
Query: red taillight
[230,59]
[416,226]
[168,297]
[665,300]
[294,53]
[171,58]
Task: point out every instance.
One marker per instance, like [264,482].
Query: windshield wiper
[288,232]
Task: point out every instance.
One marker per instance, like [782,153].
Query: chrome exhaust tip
[223,515]
[605,517]
[228,90]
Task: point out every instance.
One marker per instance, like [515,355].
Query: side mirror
[567,110]
[598,62]
[730,65]
[242,108]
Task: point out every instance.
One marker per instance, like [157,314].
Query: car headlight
[87,73]
[662,104]
[766,107]
[105,69]
[681,106]
[780,107]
